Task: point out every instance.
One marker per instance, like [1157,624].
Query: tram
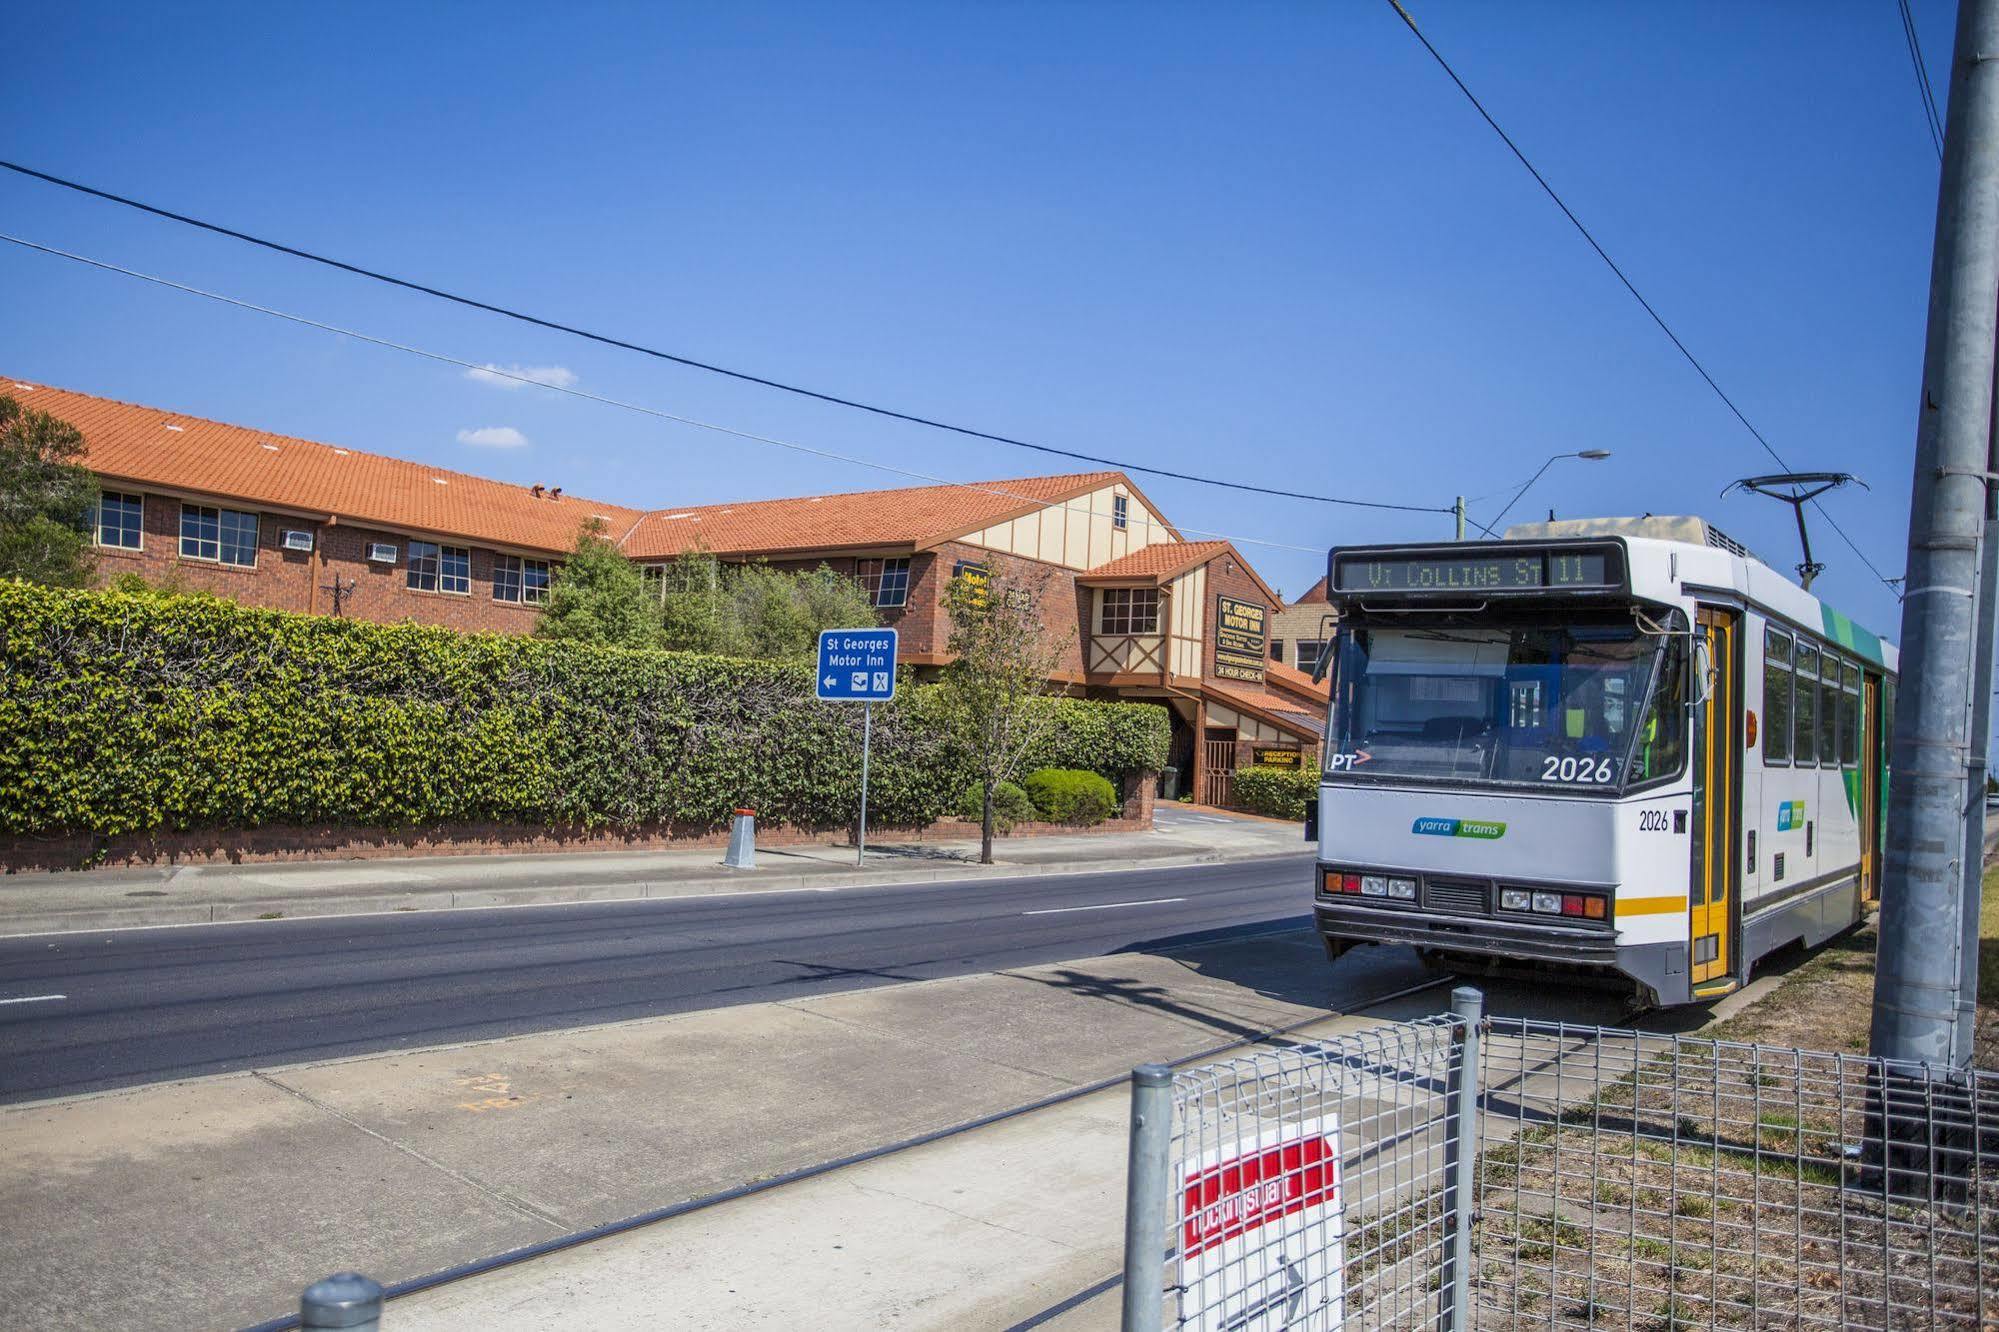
[1620,746]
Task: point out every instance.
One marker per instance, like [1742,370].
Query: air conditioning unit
[295,539]
[381,552]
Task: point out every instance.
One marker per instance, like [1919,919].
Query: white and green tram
[1623,746]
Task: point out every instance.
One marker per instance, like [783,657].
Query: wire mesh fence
[1633,1180]
[1463,1173]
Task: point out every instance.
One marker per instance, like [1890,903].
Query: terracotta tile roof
[1314,594]
[912,516]
[1160,561]
[1286,712]
[1290,677]
[127,442]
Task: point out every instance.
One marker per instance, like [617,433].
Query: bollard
[1461,1162]
[346,1300]
[742,841]
[1147,1188]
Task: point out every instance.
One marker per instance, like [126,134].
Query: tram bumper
[1659,968]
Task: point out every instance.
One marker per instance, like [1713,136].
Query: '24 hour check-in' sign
[857,665]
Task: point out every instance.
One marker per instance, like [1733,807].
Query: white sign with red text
[1262,1233]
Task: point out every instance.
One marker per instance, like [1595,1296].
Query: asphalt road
[83,1012]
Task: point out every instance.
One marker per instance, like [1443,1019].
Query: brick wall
[1227,578]
[298,581]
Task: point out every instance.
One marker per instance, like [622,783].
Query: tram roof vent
[1659,527]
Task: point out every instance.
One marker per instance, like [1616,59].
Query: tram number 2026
[1572,769]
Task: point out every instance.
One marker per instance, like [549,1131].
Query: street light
[1592,455]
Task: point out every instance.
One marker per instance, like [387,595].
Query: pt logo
[1347,762]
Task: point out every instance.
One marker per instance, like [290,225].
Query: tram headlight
[1402,890]
[1373,885]
[1515,899]
[1548,904]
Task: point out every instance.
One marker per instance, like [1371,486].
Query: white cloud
[520,376]
[493,437]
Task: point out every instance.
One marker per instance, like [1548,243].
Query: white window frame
[1137,616]
[1121,512]
[519,568]
[216,541]
[878,580]
[97,519]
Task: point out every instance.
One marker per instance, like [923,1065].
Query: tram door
[1717,800]
[1872,760]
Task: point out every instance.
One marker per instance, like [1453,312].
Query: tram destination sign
[1561,569]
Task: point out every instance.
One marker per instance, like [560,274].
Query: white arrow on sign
[831,681]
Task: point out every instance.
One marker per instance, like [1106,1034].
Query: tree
[1003,655]
[46,496]
[599,596]
[754,610]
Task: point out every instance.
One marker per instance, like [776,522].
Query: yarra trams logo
[1479,828]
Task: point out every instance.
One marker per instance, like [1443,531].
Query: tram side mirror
[1312,817]
[1703,672]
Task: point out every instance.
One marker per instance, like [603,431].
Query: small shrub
[1277,793]
[1011,805]
[1071,795]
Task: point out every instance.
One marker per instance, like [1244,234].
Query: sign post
[858,666]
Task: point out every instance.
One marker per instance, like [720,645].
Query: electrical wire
[1629,286]
[694,364]
[1931,120]
[622,404]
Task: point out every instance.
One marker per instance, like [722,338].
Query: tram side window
[1805,710]
[1776,697]
[1829,712]
[1662,737]
[1849,716]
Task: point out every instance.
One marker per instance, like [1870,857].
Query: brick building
[1301,632]
[288,523]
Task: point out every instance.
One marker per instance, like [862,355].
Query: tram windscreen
[1566,704]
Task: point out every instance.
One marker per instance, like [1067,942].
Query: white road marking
[34,999]
[1150,901]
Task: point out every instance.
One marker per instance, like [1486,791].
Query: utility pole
[1922,964]
[1459,510]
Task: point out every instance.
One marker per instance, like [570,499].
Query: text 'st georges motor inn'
[290,523]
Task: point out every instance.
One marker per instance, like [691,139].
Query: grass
[1711,1185]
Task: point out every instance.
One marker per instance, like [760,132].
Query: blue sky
[1265,241]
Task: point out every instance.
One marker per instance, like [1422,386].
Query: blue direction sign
[857,665]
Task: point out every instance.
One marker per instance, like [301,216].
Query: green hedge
[123,713]
[1278,793]
[1010,805]
[1071,795]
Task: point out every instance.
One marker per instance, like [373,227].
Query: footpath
[203,894]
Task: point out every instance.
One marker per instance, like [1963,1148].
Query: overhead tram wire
[694,364]
[1924,90]
[1630,286]
[622,404]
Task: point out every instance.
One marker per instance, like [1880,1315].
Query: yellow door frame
[1711,897]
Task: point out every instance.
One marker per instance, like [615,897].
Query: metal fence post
[346,1300]
[1461,1162]
[1145,1188]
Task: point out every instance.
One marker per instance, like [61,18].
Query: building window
[1776,697]
[1121,512]
[435,568]
[1129,610]
[1311,651]
[886,581]
[1277,649]
[119,520]
[521,581]
[222,535]
[652,575]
